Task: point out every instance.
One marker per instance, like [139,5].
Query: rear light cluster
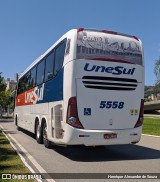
[109,32]
[140,118]
[136,38]
[80,29]
[110,59]
[72,114]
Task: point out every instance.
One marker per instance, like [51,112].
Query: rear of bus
[105,104]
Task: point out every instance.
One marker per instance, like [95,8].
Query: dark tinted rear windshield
[92,44]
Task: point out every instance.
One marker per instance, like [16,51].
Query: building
[154,97]
[11,84]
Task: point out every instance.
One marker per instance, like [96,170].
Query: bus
[86,89]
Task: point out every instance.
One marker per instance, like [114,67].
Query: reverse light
[140,118]
[72,114]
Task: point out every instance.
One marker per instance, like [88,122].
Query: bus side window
[40,72]
[33,78]
[27,80]
[20,90]
[68,46]
[49,66]
[23,84]
[59,56]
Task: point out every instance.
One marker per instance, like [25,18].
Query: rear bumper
[96,137]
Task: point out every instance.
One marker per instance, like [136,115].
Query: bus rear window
[92,45]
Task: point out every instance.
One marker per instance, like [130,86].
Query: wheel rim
[38,131]
[45,133]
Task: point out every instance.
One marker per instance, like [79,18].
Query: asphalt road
[143,157]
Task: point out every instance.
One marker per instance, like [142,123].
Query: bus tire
[38,133]
[46,142]
[16,123]
[18,128]
[15,120]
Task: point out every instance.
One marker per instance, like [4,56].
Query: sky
[29,27]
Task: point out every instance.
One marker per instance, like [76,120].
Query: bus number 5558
[111,104]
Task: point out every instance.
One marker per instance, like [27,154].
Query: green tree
[4,94]
[157,74]
[2,84]
[5,98]
[157,69]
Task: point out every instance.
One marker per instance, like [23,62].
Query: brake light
[72,114]
[110,32]
[136,38]
[109,59]
[140,118]
[80,29]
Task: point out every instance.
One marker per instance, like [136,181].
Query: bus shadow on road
[104,153]
[27,133]
[108,153]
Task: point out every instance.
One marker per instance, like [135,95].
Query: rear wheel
[16,123]
[46,142]
[18,128]
[39,137]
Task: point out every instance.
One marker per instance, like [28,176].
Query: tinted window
[49,66]
[59,56]
[33,78]
[27,80]
[40,73]
[68,46]
[24,82]
[92,45]
[20,86]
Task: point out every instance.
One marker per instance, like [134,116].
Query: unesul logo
[118,70]
[32,96]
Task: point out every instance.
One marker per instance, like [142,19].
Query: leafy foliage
[5,98]
[148,90]
[157,69]
[4,94]
[2,84]
[157,73]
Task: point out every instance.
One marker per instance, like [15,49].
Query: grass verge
[151,126]
[10,161]
[6,117]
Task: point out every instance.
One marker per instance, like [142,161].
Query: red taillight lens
[110,32]
[72,114]
[80,29]
[109,59]
[140,118]
[136,38]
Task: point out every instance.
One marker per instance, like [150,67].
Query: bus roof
[74,31]
[46,52]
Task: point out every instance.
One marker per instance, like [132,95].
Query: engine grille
[109,83]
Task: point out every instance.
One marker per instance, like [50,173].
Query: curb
[27,155]
[151,135]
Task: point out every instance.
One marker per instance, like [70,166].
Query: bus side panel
[36,104]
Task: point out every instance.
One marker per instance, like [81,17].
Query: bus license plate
[110,135]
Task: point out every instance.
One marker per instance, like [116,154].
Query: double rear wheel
[41,135]
[46,142]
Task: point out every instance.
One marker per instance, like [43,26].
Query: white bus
[86,89]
